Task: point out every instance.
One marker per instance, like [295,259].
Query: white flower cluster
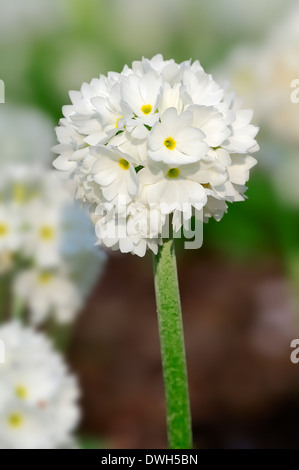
[45,238]
[159,138]
[38,396]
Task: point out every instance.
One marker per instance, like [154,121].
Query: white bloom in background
[54,239]
[46,239]
[162,137]
[25,19]
[266,77]
[243,17]
[11,230]
[26,137]
[263,75]
[48,293]
[44,234]
[39,398]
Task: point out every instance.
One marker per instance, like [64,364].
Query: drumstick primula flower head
[159,139]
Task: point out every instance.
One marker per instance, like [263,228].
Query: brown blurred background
[239,321]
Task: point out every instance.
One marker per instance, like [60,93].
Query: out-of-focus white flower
[19,18]
[160,135]
[26,138]
[39,397]
[50,232]
[10,229]
[42,230]
[48,293]
[44,234]
[243,17]
[263,75]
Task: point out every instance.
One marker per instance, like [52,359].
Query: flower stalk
[172,348]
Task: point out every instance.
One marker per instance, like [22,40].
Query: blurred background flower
[39,398]
[239,291]
[42,232]
[45,241]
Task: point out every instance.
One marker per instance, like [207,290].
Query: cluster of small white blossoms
[38,396]
[159,138]
[46,239]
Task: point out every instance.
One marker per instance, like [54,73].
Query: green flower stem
[172,348]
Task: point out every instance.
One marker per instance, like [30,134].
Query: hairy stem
[172,348]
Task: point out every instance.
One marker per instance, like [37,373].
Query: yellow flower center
[146,108]
[170,143]
[19,193]
[21,392]
[47,233]
[15,420]
[117,121]
[124,164]
[173,173]
[45,277]
[3,229]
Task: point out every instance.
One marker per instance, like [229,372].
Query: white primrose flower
[173,187]
[109,108]
[175,141]
[141,96]
[48,293]
[72,147]
[11,235]
[45,238]
[115,173]
[44,233]
[168,69]
[131,229]
[132,141]
[159,136]
[39,398]
[57,239]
